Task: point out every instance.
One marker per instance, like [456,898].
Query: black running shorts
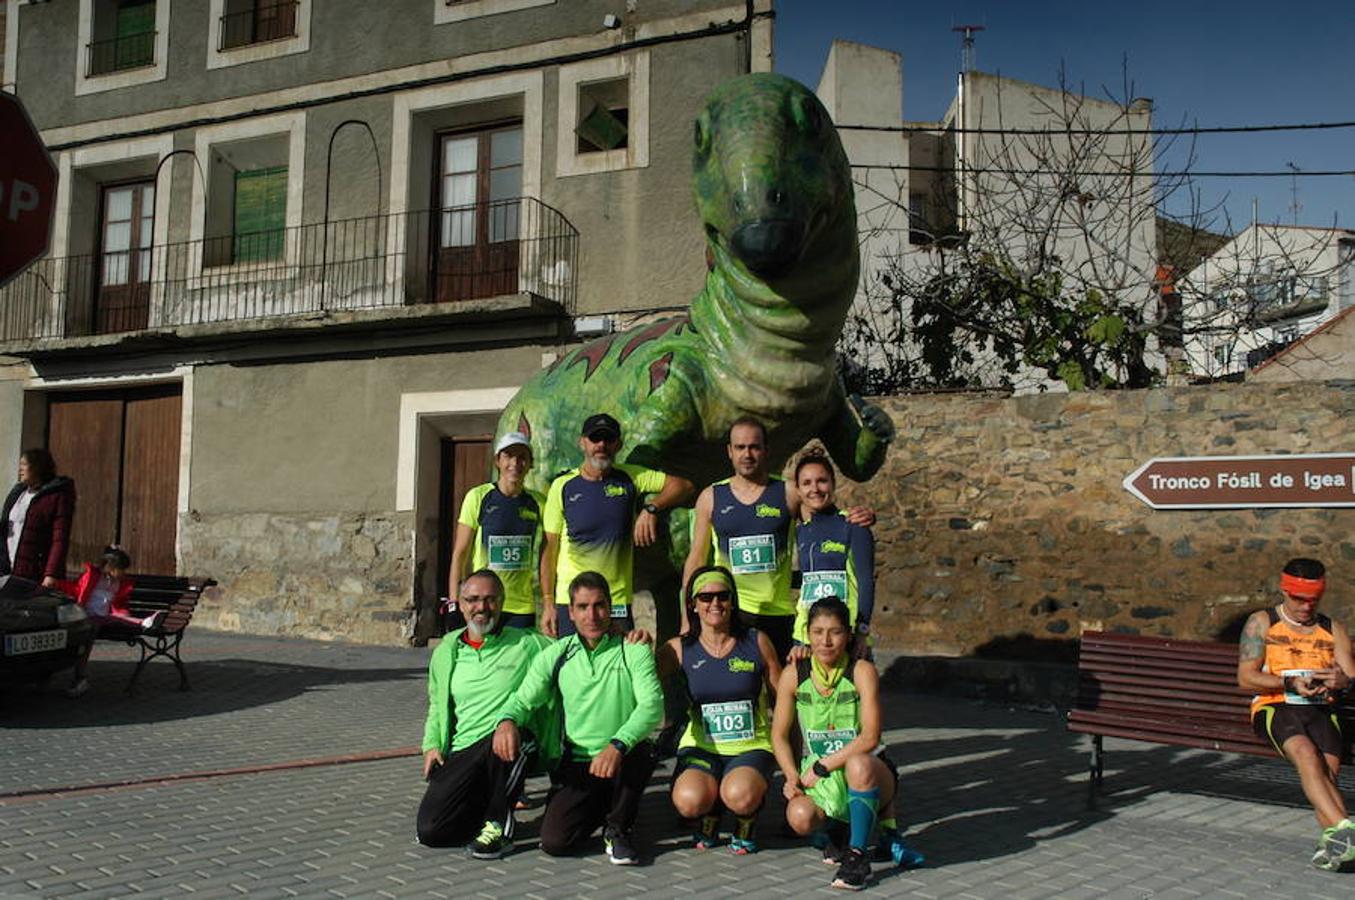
[1278,722]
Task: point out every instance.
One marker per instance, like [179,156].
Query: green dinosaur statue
[774,192]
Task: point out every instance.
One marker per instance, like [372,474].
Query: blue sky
[1202,62]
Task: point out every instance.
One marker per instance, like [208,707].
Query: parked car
[41,630]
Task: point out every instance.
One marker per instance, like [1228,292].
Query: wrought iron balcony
[265,22]
[130,51]
[429,256]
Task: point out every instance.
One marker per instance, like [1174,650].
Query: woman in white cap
[500,529]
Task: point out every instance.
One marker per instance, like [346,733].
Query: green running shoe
[491,844]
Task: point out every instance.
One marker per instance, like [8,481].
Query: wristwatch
[820,769]
[651,509]
[620,746]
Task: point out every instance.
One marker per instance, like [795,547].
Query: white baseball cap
[512,439]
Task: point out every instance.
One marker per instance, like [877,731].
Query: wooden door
[122,449]
[84,434]
[122,298]
[479,189]
[466,462]
[150,478]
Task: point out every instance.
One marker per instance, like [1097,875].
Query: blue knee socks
[861,809]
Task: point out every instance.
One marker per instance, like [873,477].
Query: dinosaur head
[770,173]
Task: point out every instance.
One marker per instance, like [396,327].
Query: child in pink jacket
[103,590]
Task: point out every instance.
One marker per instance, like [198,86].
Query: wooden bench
[1165,691]
[177,598]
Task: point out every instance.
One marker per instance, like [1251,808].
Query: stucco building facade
[1047,178]
[304,252]
[1267,287]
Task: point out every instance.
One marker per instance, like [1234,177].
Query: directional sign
[1244,482]
[27,190]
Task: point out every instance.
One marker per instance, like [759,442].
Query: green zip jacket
[611,691]
[468,688]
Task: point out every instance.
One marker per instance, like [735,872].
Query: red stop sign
[27,190]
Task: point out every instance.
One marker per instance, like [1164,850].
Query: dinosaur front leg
[857,434]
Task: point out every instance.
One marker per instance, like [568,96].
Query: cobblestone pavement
[994,796]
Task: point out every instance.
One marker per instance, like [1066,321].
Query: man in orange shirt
[1297,660]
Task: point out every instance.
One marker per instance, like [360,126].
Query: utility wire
[1219,129]
[979,170]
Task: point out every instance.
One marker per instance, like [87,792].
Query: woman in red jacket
[37,520]
[103,589]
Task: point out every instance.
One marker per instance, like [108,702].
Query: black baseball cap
[603,424]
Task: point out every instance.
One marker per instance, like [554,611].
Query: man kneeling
[610,696]
[471,676]
[1297,660]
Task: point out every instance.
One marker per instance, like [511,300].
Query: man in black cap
[595,516]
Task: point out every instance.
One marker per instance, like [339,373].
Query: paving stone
[994,795]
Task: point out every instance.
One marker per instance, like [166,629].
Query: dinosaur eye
[806,113]
[701,136]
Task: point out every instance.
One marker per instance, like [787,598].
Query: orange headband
[1302,587]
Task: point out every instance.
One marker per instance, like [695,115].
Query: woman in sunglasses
[844,782]
[724,758]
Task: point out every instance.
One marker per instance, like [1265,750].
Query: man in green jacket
[471,676]
[610,696]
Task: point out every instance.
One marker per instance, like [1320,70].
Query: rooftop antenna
[967,45]
[961,155]
[1294,205]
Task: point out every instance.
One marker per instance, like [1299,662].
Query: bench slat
[1177,739]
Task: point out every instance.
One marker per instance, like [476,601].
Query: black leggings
[471,788]
[580,802]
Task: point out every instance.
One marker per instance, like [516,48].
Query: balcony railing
[130,51]
[430,256]
[265,22]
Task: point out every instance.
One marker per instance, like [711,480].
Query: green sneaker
[491,844]
[1324,860]
[1337,845]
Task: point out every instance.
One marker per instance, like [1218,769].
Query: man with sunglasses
[471,677]
[595,516]
[1297,660]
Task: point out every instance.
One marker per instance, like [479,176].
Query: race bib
[752,553]
[822,743]
[817,585]
[731,721]
[620,611]
[509,552]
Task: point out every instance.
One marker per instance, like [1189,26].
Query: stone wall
[1004,529]
[342,577]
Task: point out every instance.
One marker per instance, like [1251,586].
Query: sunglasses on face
[713,596]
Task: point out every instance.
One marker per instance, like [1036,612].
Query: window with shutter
[260,214]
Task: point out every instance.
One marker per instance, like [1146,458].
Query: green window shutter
[260,218]
[135,35]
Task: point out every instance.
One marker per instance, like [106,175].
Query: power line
[1218,129]
[972,170]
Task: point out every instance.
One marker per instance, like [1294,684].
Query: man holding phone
[1297,660]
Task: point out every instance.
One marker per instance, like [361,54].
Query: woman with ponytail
[844,780]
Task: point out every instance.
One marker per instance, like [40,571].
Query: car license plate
[34,642]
